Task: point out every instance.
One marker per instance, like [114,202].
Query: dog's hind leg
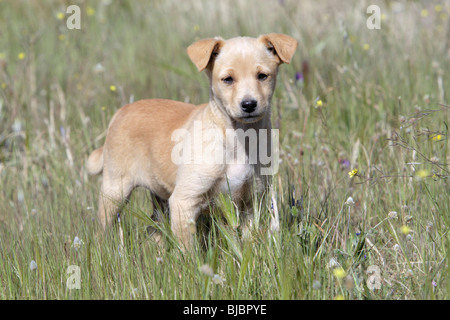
[113,194]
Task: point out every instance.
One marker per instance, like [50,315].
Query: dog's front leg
[194,183]
[183,216]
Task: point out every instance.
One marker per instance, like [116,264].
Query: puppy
[187,154]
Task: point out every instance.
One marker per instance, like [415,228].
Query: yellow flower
[353,173]
[90,11]
[366,47]
[437,137]
[319,103]
[21,56]
[112,88]
[339,273]
[339,297]
[103,108]
[3,85]
[405,230]
[61,37]
[424,13]
[196,28]
[422,173]
[60,15]
[438,8]
[2,55]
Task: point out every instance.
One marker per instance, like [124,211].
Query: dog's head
[243,71]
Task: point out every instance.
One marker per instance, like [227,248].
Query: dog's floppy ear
[282,45]
[201,51]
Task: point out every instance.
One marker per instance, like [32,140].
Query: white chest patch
[236,176]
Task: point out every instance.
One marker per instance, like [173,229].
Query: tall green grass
[384,112]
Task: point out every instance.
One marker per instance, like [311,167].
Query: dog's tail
[95,162]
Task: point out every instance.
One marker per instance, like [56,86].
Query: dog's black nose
[249,105]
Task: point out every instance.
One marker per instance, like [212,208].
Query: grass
[384,112]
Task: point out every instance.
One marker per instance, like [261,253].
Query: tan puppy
[187,154]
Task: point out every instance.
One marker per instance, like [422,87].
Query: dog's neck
[223,120]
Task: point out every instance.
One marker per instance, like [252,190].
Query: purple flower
[299,77]
[345,163]
[433,283]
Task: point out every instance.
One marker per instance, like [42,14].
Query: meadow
[362,191]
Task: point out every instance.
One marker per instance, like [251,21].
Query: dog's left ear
[202,51]
[282,45]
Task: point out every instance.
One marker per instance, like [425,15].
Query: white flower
[393,214]
[350,201]
[33,265]
[77,243]
[217,279]
[333,263]
[316,285]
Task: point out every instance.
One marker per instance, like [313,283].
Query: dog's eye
[228,80]
[262,76]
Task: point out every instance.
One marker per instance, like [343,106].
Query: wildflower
[299,77]
[61,37]
[207,270]
[99,68]
[90,11]
[21,56]
[77,243]
[20,196]
[397,248]
[33,265]
[319,104]
[2,55]
[405,230]
[316,285]
[353,173]
[60,15]
[350,201]
[217,279]
[366,47]
[424,13]
[433,283]
[332,263]
[196,28]
[423,173]
[339,273]
[103,108]
[344,163]
[437,137]
[3,85]
[112,88]
[438,8]
[339,297]
[392,214]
